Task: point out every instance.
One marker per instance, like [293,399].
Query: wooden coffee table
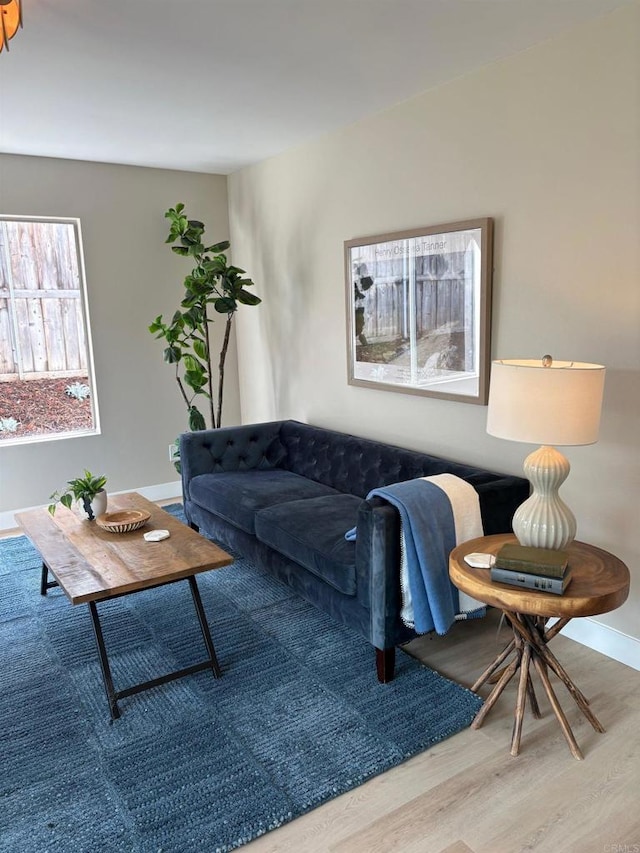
[90,565]
[600,583]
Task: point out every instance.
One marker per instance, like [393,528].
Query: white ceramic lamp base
[544,520]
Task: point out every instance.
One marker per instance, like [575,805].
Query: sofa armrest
[377,562]
[233,448]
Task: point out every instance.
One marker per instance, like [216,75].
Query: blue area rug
[198,764]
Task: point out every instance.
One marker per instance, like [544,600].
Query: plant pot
[95,507]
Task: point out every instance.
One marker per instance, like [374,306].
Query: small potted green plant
[87,490]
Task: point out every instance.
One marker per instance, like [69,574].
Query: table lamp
[545,402]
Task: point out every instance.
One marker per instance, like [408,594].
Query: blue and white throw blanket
[437,513]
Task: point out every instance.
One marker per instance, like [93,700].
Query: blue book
[529,581]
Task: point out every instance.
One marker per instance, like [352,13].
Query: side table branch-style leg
[529,643]
[523,686]
[551,632]
[557,710]
[486,675]
[506,677]
[581,701]
[535,708]
[510,618]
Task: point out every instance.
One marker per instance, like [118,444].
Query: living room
[546,142]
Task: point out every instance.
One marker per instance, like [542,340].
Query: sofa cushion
[236,496]
[311,532]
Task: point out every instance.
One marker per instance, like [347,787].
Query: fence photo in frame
[419,310]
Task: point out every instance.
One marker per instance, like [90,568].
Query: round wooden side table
[600,583]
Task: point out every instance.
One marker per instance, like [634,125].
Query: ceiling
[214,85]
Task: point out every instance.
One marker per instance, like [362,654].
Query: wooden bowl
[123,521]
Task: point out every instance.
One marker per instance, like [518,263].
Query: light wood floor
[468,795]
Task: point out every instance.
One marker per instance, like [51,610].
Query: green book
[535,561]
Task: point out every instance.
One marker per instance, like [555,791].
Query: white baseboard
[160,492]
[602,638]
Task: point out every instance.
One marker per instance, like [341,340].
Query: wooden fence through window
[42,330]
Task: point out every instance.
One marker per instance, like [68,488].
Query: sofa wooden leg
[385,664]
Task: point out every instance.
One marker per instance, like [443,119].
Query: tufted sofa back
[357,465]
[243,448]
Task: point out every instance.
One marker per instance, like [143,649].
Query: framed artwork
[419,310]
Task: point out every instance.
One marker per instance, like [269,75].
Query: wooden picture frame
[419,310]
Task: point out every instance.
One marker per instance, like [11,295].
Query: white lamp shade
[555,405]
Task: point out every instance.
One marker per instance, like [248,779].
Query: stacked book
[532,568]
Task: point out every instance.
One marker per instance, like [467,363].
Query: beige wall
[547,143]
[132,276]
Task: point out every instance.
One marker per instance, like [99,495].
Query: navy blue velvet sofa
[283,494]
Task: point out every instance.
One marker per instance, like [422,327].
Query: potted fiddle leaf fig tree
[214,286]
[87,490]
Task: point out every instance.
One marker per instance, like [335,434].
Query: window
[47,384]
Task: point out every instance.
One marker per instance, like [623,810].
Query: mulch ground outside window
[42,406]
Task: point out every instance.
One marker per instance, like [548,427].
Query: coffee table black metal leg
[113,695]
[45,583]
[204,626]
[104,663]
